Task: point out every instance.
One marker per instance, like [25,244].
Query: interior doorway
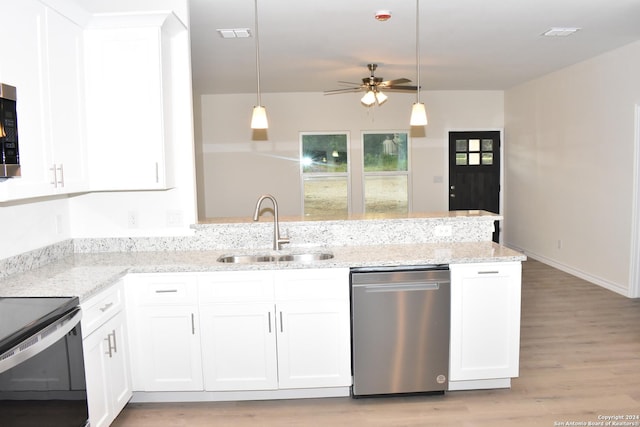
[474,172]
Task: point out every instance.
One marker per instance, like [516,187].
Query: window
[474,152]
[324,165]
[386,172]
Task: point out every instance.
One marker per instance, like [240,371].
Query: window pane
[385,194]
[487,158]
[474,158]
[487,145]
[326,197]
[385,152]
[474,145]
[461,158]
[324,153]
[461,145]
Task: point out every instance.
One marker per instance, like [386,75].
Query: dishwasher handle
[400,287]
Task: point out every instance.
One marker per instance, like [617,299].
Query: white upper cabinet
[131,113]
[46,67]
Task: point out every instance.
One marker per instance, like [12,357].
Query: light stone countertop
[84,275]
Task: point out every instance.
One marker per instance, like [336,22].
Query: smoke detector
[383,15]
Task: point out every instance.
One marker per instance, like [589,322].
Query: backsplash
[250,235]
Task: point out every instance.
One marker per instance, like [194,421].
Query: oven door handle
[40,341]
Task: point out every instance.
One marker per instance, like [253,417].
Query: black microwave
[9,153]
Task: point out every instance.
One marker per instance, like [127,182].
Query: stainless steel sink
[305,257]
[246,259]
[250,259]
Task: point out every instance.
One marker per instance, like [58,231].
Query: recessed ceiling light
[560,31]
[232,33]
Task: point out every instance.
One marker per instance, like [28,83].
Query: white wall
[235,169]
[569,166]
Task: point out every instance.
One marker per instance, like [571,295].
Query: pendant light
[418,112]
[259,116]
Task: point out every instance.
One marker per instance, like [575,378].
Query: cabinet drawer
[100,308]
[320,283]
[235,286]
[164,289]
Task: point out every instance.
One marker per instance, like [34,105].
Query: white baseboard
[227,396]
[607,284]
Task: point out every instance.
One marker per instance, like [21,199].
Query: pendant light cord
[257,53]
[418,50]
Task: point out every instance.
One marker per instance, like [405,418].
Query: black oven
[42,377]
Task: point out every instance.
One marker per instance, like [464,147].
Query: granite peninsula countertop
[85,274]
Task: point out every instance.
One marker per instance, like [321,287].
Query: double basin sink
[263,258]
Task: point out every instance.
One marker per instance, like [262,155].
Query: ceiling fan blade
[338,91]
[402,88]
[395,82]
[349,83]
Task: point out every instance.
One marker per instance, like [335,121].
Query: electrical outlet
[443,231]
[174,218]
[132,219]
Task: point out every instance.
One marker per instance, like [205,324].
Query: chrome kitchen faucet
[277,240]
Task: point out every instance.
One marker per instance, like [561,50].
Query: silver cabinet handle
[108,340]
[193,324]
[166,291]
[281,326]
[115,346]
[61,177]
[489,272]
[54,169]
[269,322]
[106,307]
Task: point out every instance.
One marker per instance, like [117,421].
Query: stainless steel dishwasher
[400,330]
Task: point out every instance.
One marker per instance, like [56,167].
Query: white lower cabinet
[485,324]
[107,369]
[164,325]
[271,330]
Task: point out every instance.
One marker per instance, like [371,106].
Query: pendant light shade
[259,116]
[418,111]
[418,115]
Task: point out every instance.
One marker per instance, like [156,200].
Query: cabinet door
[168,347]
[65,104]
[239,346]
[21,66]
[108,375]
[124,108]
[96,367]
[313,344]
[485,321]
[119,364]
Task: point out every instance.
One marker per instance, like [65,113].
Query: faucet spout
[278,241]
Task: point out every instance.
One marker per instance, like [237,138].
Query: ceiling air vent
[233,33]
[560,31]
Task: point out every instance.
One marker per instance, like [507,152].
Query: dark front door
[474,172]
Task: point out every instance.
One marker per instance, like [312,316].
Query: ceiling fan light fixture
[418,115]
[369,98]
[259,118]
[381,98]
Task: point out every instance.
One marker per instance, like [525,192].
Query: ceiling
[465,44]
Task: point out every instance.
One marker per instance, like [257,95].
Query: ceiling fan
[372,86]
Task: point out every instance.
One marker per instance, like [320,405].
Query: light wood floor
[580,359]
